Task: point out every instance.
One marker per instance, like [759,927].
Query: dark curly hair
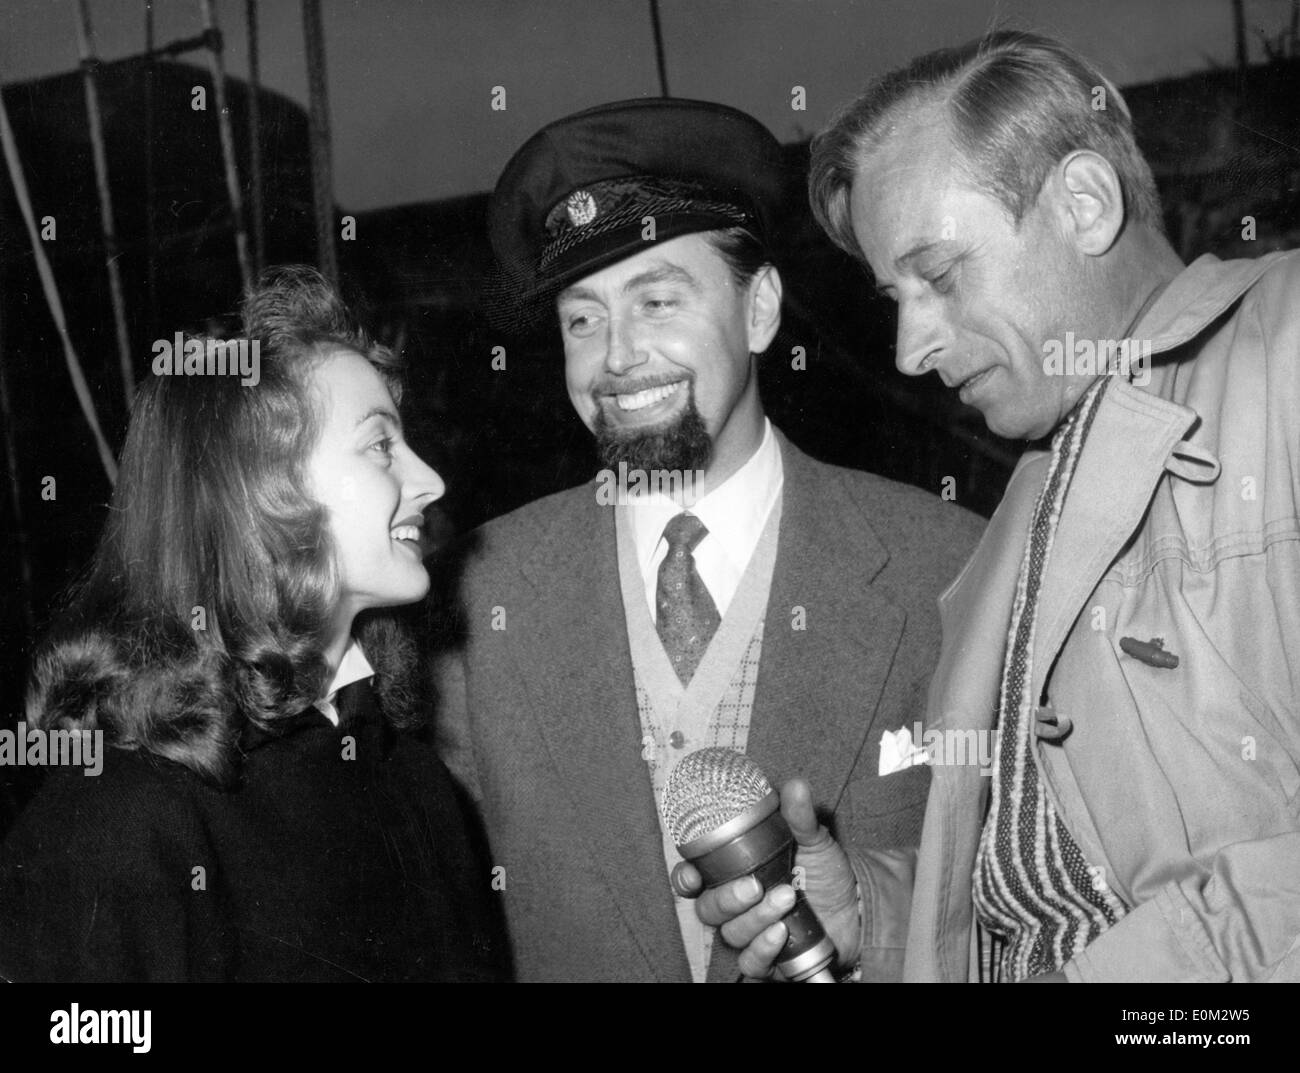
[205,606]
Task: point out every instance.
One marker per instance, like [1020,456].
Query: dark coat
[316,868]
[539,719]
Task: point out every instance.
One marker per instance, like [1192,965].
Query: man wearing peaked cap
[577,195]
[712,586]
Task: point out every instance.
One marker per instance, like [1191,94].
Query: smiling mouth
[630,401]
[972,383]
[409,532]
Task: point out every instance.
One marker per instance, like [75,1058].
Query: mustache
[644,383]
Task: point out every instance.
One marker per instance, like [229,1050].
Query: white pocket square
[898,751]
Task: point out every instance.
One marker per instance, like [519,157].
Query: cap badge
[581,207]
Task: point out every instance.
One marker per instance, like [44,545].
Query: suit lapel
[1123,459]
[975,613]
[818,688]
[586,708]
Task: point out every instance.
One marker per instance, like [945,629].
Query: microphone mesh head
[708,788]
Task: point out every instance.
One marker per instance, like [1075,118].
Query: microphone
[725,818]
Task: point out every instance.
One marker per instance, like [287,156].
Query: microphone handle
[766,851]
[809,953]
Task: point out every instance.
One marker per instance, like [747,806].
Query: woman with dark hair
[263,813]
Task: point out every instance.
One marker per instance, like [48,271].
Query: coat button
[1051,725]
[677,739]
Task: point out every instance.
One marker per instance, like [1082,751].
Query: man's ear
[1090,201]
[764,308]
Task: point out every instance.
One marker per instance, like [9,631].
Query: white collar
[352,668]
[734,512]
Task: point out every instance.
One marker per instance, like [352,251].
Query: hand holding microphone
[719,798]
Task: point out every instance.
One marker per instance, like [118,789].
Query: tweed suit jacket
[538,713]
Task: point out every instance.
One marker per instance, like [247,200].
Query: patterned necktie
[686,615]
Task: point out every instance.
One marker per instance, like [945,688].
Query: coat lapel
[1123,460]
[587,712]
[1127,451]
[818,687]
[1129,443]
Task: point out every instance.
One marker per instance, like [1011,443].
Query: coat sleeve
[452,730]
[1241,922]
[885,879]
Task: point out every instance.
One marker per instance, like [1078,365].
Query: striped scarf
[1033,887]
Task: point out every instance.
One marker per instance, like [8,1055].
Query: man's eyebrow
[379,411]
[665,273]
[919,250]
[575,293]
[662,273]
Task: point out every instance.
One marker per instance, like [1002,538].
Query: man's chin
[679,444]
[996,418]
[1015,426]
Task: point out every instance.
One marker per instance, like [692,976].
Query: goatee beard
[682,445]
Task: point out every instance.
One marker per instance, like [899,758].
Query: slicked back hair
[1016,103]
[743,252]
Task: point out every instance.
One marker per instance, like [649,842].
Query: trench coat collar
[1195,298]
[1129,447]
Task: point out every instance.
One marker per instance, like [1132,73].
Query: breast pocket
[884,810]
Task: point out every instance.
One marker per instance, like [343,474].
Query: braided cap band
[625,202]
[709,788]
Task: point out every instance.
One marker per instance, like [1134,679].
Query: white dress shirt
[352,668]
[734,514]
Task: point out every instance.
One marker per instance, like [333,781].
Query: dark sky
[410,81]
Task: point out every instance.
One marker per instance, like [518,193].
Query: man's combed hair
[205,606]
[1016,104]
[742,250]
